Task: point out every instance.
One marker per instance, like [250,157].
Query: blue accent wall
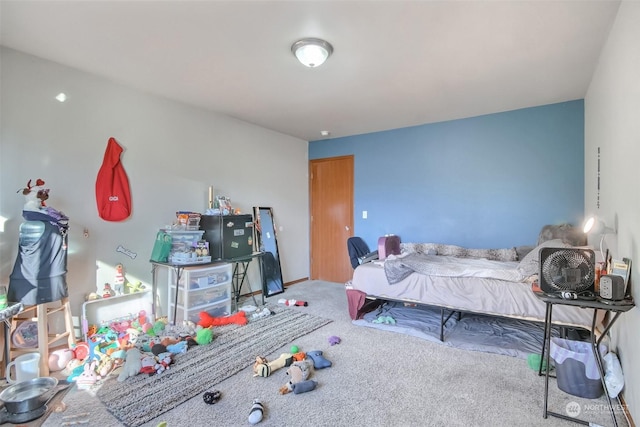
[489,181]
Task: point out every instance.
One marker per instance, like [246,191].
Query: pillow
[523,250]
[530,264]
[506,254]
[569,234]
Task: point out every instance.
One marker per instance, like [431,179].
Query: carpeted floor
[378,378]
[141,398]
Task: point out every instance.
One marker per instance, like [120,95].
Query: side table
[615,307]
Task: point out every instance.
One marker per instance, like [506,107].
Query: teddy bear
[132,364]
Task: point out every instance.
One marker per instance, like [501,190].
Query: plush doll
[118,283]
[207,320]
[88,377]
[163,361]
[303,386]
[319,362]
[177,348]
[132,364]
[263,368]
[298,372]
[148,364]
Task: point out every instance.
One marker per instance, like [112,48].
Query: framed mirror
[267,242]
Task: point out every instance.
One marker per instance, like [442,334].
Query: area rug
[489,334]
[142,398]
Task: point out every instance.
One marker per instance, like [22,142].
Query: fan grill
[567,269]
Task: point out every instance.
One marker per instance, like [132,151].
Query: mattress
[470,294]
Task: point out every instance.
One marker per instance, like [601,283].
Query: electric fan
[567,269]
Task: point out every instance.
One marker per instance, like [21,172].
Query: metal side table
[613,307]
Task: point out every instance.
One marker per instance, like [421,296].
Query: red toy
[207,320]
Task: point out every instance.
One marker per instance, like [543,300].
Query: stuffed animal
[204,336]
[263,368]
[319,362]
[148,364]
[177,348]
[333,340]
[298,372]
[163,361]
[303,386]
[207,320]
[132,364]
[88,377]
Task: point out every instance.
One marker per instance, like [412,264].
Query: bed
[485,281]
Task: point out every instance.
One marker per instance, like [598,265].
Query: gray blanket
[398,268]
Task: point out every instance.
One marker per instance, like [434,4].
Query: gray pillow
[530,264]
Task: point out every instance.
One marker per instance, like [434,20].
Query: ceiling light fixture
[312,52]
[61,97]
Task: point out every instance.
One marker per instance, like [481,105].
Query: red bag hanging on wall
[113,195]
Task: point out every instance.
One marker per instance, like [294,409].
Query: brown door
[331,198]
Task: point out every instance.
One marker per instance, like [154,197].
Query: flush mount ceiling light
[312,52]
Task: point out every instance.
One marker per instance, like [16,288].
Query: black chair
[359,251]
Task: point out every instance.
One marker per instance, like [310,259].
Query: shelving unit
[195,289]
[102,311]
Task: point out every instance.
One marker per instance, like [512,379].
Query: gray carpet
[141,398]
[378,378]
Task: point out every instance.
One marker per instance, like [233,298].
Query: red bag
[113,195]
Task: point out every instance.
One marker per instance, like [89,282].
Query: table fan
[567,270]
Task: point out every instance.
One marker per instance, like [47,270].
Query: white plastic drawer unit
[219,309]
[201,289]
[195,278]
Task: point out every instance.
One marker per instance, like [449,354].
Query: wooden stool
[47,342]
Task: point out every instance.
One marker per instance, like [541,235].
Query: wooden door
[331,199]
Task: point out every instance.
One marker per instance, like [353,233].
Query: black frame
[267,242]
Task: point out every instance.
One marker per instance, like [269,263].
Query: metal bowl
[28,395]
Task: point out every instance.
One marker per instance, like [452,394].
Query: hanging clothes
[39,274]
[113,195]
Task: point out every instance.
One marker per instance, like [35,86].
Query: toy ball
[294,349]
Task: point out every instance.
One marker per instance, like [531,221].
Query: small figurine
[107,292]
[118,283]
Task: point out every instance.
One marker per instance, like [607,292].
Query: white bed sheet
[478,295]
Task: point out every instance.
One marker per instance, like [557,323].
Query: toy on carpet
[264,368]
[211,397]
[204,336]
[294,349]
[132,364]
[290,302]
[255,416]
[319,362]
[387,320]
[265,312]
[303,386]
[88,377]
[178,348]
[298,372]
[207,320]
[333,340]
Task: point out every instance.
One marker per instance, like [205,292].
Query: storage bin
[204,296]
[576,367]
[219,309]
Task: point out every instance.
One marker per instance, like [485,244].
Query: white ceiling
[395,63]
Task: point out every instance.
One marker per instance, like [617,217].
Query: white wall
[612,111]
[173,152]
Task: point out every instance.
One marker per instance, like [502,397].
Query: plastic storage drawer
[198,298]
[194,278]
[219,309]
